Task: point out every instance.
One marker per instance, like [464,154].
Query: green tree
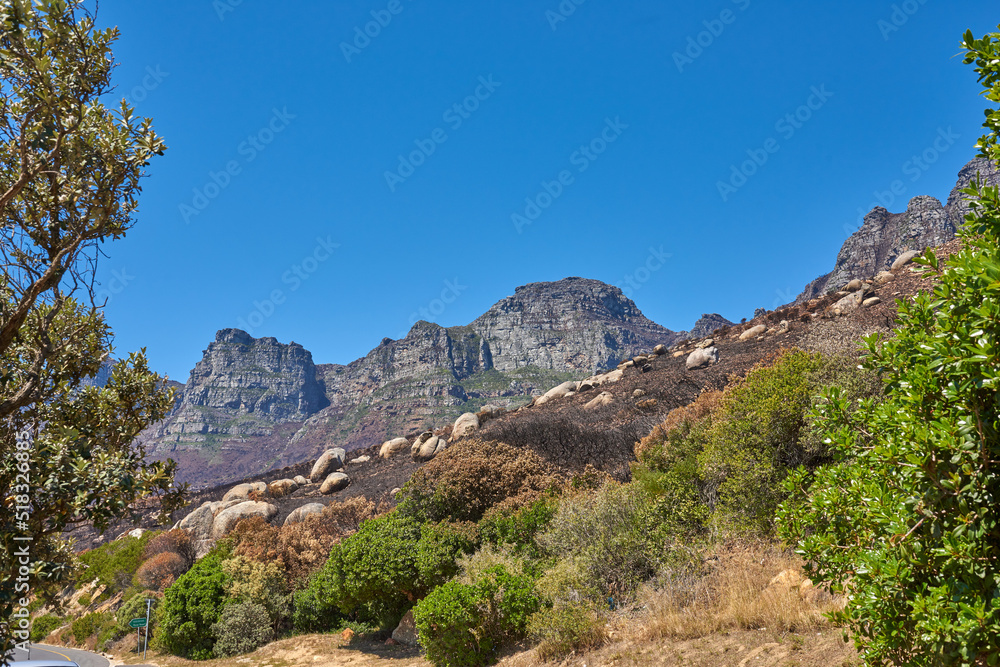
[192,606]
[906,520]
[70,170]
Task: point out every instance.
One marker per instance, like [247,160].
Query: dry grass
[745,587]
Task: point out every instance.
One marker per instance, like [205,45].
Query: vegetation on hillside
[906,519]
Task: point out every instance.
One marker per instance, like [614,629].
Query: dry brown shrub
[173,541]
[161,570]
[301,548]
[736,592]
[680,418]
[472,476]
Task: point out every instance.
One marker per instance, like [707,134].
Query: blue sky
[330,187]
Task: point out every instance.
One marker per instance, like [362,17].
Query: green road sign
[137,623]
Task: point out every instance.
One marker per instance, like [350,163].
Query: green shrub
[566,628]
[463,625]
[135,607]
[440,547]
[380,571]
[906,518]
[85,600]
[262,583]
[42,626]
[315,609]
[373,573]
[191,606]
[114,564]
[754,441]
[612,535]
[243,627]
[518,527]
[89,625]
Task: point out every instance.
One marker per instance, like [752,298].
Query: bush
[374,572]
[262,583]
[472,476]
[43,626]
[301,548]
[136,608]
[175,541]
[440,547]
[754,441]
[89,625]
[192,605]
[612,535]
[906,519]
[391,562]
[114,564]
[315,608]
[161,570]
[566,628]
[517,527]
[463,625]
[243,627]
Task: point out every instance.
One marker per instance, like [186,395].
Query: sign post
[137,623]
[145,646]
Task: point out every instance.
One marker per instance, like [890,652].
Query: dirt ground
[758,648]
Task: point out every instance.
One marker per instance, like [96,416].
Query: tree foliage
[70,171]
[906,520]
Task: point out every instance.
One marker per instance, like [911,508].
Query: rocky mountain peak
[574,323]
[707,324]
[884,236]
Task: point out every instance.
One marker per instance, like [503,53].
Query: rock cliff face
[573,324]
[884,236]
[253,403]
[243,386]
[706,324]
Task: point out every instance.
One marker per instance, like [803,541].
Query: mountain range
[254,404]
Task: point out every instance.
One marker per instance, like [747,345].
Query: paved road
[82,658]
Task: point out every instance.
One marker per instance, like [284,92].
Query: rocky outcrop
[573,324]
[958,204]
[707,324]
[243,386]
[884,236]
